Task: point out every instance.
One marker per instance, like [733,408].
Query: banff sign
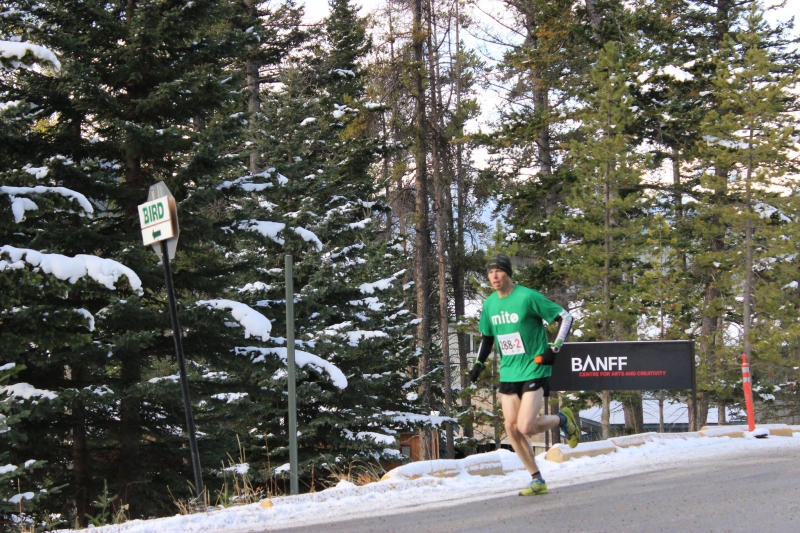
[647,365]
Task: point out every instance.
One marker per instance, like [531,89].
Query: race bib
[511,344]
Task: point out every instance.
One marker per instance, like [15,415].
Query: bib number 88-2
[511,344]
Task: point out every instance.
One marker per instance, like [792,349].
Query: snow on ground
[392,497]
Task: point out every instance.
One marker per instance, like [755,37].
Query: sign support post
[159,223]
[187,402]
[293,466]
[694,393]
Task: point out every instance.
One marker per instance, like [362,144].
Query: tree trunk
[634,414]
[129,437]
[702,411]
[443,224]
[457,251]
[594,18]
[422,249]
[253,79]
[747,302]
[79,452]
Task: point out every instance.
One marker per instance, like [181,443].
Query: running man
[512,319]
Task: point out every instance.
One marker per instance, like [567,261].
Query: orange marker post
[748,393]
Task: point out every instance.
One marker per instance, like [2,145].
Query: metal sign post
[293,467]
[159,222]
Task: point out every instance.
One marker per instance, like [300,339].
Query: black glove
[477,368]
[547,358]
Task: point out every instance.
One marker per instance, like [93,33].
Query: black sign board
[646,365]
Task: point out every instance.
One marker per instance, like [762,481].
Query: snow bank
[316,510]
[104,271]
[496,463]
[301,358]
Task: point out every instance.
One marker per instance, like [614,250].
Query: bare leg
[529,421]
[522,419]
[511,406]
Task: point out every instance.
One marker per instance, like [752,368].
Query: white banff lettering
[598,363]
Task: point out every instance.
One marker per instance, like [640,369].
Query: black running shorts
[520,387]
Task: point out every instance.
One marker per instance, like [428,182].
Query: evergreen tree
[605,223]
[316,201]
[140,99]
[749,135]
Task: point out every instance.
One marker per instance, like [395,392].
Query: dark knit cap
[500,262]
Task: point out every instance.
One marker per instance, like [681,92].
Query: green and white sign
[156,221]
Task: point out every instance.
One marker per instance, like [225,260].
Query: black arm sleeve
[485,349]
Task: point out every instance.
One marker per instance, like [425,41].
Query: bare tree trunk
[702,411]
[711,321]
[605,422]
[605,418]
[634,415]
[422,249]
[676,181]
[594,18]
[443,222]
[747,297]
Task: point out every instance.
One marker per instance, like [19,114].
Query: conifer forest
[637,159]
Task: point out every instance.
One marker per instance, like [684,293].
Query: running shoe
[571,429]
[536,488]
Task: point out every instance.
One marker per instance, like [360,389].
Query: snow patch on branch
[383,284]
[415,418]
[309,236]
[254,323]
[27,391]
[379,438]
[301,358]
[104,271]
[355,337]
[13,53]
[264,227]
[88,316]
[676,73]
[20,205]
[245,182]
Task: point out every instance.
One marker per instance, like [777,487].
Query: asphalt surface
[757,493]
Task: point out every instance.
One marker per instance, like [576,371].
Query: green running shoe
[536,488]
[571,429]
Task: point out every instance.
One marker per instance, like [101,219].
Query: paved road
[750,494]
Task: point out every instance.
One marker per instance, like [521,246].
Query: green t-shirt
[515,322]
